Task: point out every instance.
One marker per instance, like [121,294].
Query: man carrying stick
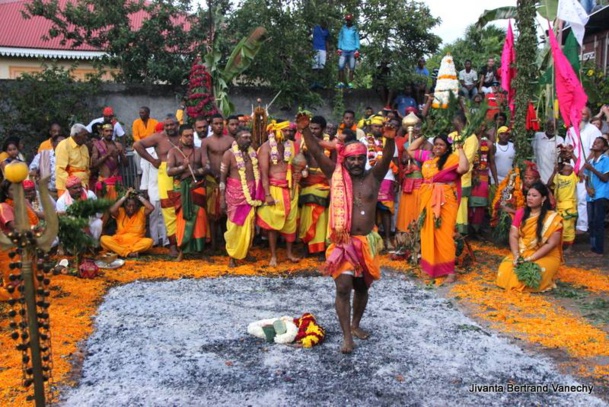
[352,258]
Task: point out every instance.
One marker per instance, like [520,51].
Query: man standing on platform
[162,143]
[352,258]
[239,181]
[144,126]
[108,156]
[314,197]
[212,151]
[188,195]
[279,212]
[72,158]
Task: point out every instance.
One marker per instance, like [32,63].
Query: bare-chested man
[238,185]
[107,158]
[232,125]
[279,213]
[352,258]
[213,149]
[162,143]
[188,195]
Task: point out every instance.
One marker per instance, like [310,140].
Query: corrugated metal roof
[17,32]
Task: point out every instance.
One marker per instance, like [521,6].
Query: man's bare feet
[232,263]
[180,256]
[273,262]
[347,346]
[249,258]
[359,333]
[173,251]
[451,278]
[388,245]
[293,258]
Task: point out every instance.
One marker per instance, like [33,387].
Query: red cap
[28,184]
[349,17]
[160,126]
[108,111]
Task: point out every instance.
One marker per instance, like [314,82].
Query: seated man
[76,192]
[129,240]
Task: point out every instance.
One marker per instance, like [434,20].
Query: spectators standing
[108,117]
[54,130]
[420,84]
[504,153]
[605,123]
[348,51]
[545,151]
[468,78]
[321,44]
[597,187]
[76,192]
[495,100]
[201,130]
[405,100]
[43,164]
[488,75]
[72,158]
[588,133]
[144,126]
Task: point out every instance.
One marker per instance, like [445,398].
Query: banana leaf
[500,13]
[243,54]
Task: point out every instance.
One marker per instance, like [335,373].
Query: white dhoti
[582,208]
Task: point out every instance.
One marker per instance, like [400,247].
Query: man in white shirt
[468,78]
[504,153]
[108,117]
[202,130]
[76,192]
[588,133]
[150,186]
[545,150]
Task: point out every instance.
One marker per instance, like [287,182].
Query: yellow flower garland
[242,175]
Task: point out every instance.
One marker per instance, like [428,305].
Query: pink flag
[570,94]
[508,58]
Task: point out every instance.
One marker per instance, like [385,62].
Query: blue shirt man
[348,49]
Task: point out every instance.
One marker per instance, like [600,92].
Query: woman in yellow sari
[535,236]
[440,196]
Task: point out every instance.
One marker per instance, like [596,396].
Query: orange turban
[72,181]
[531,169]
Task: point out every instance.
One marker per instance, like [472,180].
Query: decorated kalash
[27,280]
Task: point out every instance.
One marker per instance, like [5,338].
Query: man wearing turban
[108,118]
[76,192]
[352,258]
[107,158]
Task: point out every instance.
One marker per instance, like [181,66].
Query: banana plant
[240,59]
[545,8]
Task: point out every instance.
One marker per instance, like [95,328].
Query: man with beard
[239,181]
[352,257]
[107,158]
[108,118]
[188,195]
[314,198]
[162,143]
[212,151]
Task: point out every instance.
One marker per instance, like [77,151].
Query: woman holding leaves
[535,239]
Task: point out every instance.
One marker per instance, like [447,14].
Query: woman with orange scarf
[439,202]
[535,236]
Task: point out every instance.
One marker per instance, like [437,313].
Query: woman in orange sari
[439,202]
[535,236]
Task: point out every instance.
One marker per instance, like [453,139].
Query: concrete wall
[126,101]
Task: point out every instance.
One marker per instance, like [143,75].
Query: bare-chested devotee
[107,157]
[352,258]
[188,195]
[212,151]
[279,212]
[239,183]
[162,143]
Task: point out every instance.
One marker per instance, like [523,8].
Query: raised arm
[324,162]
[114,208]
[148,208]
[463,162]
[380,168]
[416,144]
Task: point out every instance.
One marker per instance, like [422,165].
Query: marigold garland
[509,192]
[242,175]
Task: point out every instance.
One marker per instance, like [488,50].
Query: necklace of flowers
[287,151]
[242,176]
[375,149]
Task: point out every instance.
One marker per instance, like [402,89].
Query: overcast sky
[457,15]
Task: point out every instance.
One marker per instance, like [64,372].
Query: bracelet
[222,186]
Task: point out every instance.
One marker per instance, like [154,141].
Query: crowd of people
[346,192]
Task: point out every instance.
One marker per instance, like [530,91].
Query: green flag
[571,51]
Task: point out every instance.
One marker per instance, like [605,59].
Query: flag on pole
[508,59]
[573,13]
[571,96]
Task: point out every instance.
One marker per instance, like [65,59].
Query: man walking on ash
[352,258]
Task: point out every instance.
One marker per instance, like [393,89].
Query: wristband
[222,186]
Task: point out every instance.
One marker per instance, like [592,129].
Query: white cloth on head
[118,129]
[544,150]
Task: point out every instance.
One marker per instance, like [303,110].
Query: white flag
[574,13]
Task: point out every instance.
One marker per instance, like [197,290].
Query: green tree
[35,100]
[477,45]
[159,48]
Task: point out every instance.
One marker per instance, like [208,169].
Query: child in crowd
[564,183]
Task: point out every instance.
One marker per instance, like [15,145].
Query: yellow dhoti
[314,212]
[167,205]
[239,238]
[282,216]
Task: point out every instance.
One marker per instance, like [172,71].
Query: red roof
[17,32]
